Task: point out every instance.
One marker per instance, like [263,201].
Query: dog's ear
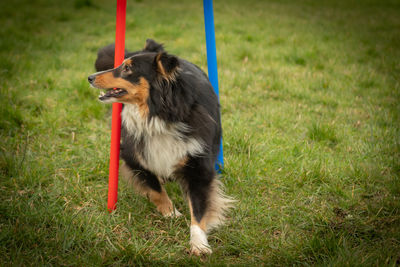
[166,65]
[153,46]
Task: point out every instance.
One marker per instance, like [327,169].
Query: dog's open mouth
[109,93]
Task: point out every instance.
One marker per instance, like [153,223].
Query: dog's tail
[105,56]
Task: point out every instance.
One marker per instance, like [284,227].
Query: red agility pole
[116,109]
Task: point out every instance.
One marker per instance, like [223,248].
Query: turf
[310,96]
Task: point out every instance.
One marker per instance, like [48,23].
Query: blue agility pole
[212,60]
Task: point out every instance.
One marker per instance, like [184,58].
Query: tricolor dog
[171,130]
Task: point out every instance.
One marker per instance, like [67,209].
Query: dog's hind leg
[147,184]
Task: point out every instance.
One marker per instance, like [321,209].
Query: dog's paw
[174,213]
[198,241]
[199,251]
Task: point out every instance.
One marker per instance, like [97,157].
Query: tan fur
[104,80]
[128,61]
[137,93]
[160,65]
[167,76]
[202,224]
[160,200]
[181,163]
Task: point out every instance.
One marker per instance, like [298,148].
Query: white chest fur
[164,145]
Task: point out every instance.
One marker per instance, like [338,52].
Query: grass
[310,95]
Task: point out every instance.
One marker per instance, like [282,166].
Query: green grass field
[310,95]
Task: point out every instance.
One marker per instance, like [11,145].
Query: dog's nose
[91,78]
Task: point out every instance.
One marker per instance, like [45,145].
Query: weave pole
[116,109]
[212,61]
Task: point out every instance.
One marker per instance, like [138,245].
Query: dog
[171,130]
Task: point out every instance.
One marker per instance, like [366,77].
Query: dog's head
[131,82]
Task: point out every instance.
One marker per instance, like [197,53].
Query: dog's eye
[126,68]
